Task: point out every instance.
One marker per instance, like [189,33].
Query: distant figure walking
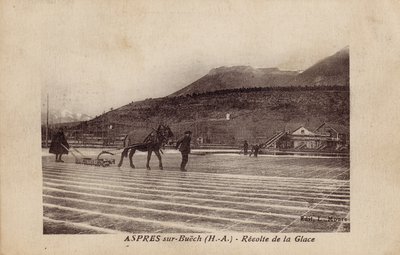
[254,150]
[184,147]
[245,147]
[59,145]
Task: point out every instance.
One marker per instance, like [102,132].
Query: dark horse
[153,142]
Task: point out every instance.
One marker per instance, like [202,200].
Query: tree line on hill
[262,89]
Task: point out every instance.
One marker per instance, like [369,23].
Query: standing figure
[184,147]
[245,147]
[59,144]
[256,149]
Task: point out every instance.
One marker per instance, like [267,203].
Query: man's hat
[188,132]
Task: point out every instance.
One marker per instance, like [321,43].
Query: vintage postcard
[188,126]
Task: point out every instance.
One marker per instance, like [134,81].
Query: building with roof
[325,137]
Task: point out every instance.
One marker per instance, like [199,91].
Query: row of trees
[259,89]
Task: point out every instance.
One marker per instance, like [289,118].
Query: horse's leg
[130,157]
[157,152]
[148,159]
[123,154]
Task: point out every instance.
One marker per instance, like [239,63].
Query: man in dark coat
[184,147]
[254,150]
[59,145]
[245,147]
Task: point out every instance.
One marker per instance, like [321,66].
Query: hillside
[331,71]
[255,113]
[260,103]
[238,77]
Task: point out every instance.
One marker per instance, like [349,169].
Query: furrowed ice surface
[228,193]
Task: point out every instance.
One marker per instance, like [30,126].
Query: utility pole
[195,126]
[102,128]
[47,122]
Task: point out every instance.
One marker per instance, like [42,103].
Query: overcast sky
[107,55]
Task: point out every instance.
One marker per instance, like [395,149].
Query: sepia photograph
[221,126]
[199,127]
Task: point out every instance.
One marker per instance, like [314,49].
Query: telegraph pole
[195,125]
[47,122]
[102,127]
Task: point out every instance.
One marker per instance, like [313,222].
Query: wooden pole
[47,123]
[102,127]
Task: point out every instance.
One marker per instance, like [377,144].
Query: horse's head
[164,132]
[169,132]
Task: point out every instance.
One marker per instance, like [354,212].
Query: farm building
[324,137]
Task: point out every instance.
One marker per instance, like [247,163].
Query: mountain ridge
[256,112]
[330,71]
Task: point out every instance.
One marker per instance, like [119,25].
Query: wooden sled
[82,159]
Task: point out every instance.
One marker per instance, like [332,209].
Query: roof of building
[341,129]
[293,126]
